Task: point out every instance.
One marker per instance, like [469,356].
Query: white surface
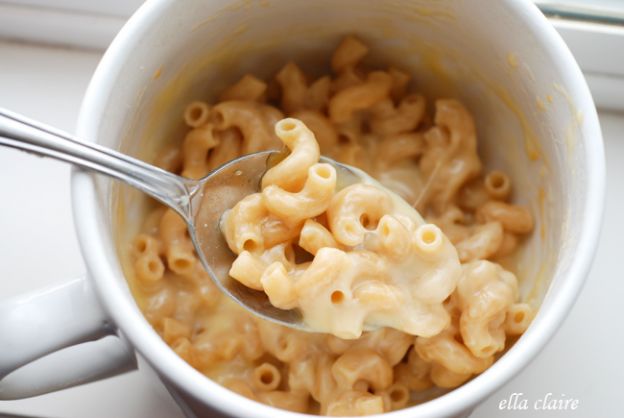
[38,247]
[78,28]
[591,44]
[121,8]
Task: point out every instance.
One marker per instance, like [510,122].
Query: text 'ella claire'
[518,402]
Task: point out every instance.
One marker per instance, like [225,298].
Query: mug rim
[143,338]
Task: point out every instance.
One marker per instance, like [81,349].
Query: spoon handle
[18,132]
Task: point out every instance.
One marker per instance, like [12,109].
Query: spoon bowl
[219,191]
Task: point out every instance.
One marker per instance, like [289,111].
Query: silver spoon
[200,202]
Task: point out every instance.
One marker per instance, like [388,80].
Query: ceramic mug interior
[534,116]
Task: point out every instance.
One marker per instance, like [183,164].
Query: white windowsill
[598,50]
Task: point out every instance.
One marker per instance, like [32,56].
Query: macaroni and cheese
[446,307]
[375,262]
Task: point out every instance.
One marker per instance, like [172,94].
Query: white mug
[534,114]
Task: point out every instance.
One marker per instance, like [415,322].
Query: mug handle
[57,338]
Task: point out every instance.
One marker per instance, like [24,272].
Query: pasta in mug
[414,253]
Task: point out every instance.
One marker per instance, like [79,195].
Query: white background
[38,248]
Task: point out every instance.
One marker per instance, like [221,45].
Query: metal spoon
[200,202]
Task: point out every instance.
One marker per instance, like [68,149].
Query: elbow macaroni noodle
[446,308]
